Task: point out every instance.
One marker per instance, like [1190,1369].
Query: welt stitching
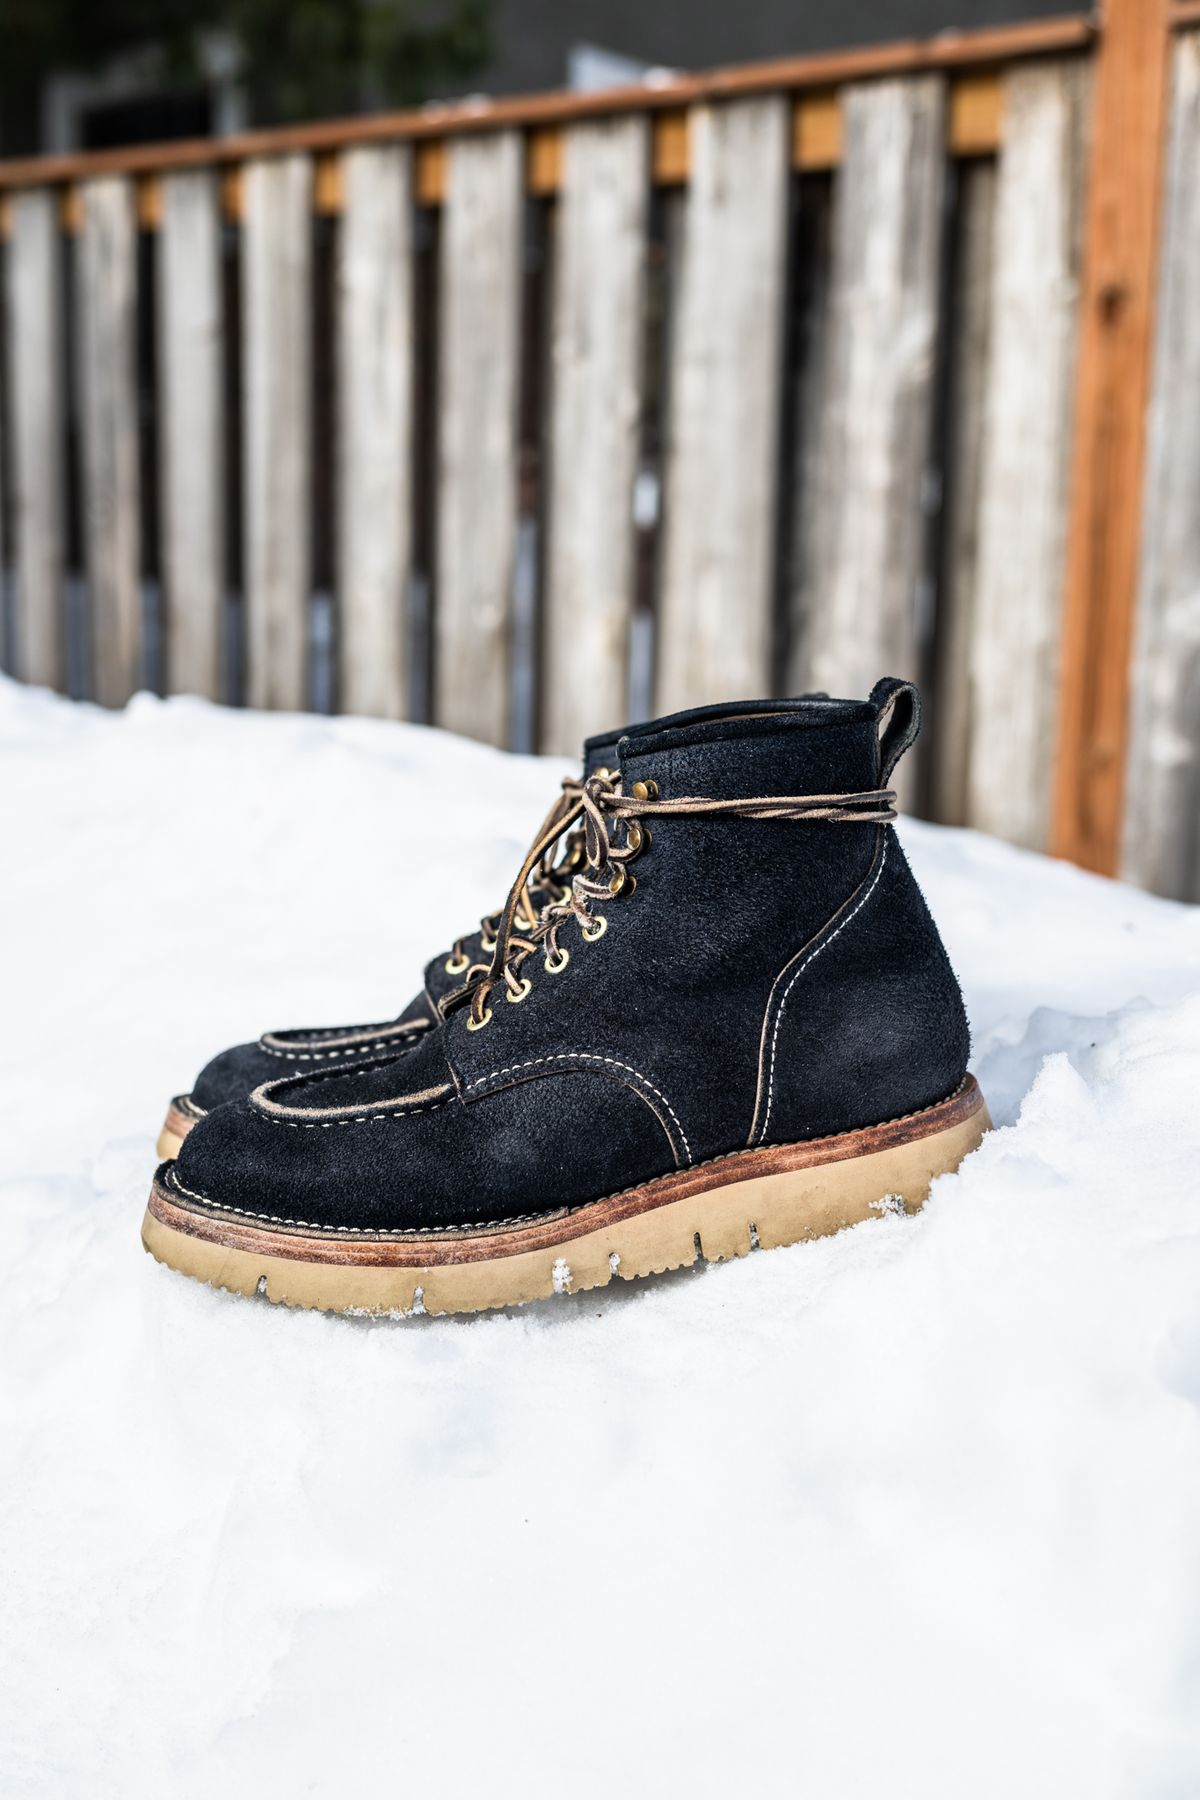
[171,1179]
[243,1212]
[589,1056]
[811,957]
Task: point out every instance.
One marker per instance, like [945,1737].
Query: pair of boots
[713,1015]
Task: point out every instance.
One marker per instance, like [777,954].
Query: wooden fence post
[190,339]
[277,347]
[36,353]
[599,269]
[1016,629]
[375,429]
[106,306]
[725,410]
[1162,813]
[479,362]
[1116,324]
[860,610]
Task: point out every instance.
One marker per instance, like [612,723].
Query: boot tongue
[820,747]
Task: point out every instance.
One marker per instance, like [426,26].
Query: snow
[914,1511]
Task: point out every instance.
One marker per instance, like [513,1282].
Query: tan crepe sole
[752,1199]
[176,1126]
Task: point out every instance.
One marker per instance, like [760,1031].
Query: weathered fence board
[971,309]
[783,311]
[725,399]
[190,341]
[277,347]
[106,306]
[1162,801]
[375,426]
[1016,637]
[36,374]
[864,590]
[480,283]
[596,361]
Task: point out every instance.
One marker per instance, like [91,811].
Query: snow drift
[914,1511]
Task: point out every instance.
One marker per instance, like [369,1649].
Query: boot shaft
[759,979]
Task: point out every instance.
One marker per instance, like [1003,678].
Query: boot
[739,1030]
[235,1073]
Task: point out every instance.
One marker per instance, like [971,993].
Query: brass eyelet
[635,836]
[622,881]
[478,1024]
[553,967]
[645,790]
[525,988]
[602,774]
[601,924]
[457,965]
[487,945]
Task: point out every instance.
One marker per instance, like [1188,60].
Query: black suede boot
[235,1073]
[740,1030]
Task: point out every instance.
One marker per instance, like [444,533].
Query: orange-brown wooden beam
[1112,390]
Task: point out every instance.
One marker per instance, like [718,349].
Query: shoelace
[551,878]
[596,805]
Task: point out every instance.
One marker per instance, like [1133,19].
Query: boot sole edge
[175,1128]
[752,1199]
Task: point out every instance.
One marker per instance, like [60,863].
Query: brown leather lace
[551,879]
[591,808]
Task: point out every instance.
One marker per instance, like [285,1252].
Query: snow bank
[911,1512]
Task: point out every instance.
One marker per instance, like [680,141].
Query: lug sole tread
[716,1212]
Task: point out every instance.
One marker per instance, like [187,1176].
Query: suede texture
[234,1074]
[765,981]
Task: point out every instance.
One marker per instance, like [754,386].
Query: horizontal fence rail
[527,417]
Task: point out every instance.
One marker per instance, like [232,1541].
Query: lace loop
[553,879]
[593,807]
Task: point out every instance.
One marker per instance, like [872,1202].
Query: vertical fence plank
[1027,417]
[725,400]
[597,344]
[106,302]
[1162,808]
[190,337]
[277,346]
[375,324]
[8,660]
[36,351]
[481,242]
[862,601]
[969,357]
[1111,402]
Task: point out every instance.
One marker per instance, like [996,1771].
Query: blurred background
[87,76]
[522,368]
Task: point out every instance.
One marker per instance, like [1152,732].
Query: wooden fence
[531,416]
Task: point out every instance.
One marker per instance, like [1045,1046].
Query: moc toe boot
[741,1030]
[234,1074]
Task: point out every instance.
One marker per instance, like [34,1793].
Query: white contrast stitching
[371,1231]
[587,1056]
[358,1118]
[171,1179]
[358,1048]
[811,957]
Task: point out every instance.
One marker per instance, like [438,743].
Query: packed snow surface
[913,1511]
